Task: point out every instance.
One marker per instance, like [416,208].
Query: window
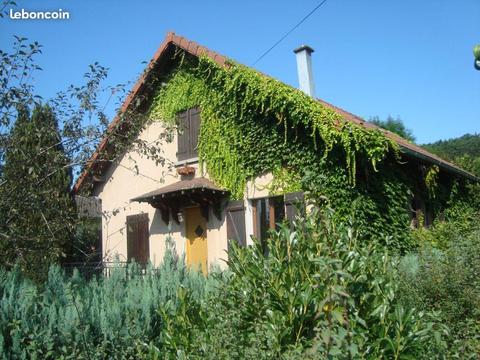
[138,238]
[188,132]
[293,203]
[269,212]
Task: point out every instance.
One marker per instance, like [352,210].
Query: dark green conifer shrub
[111,317]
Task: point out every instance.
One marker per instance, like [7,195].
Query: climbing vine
[234,96]
[431,180]
[253,124]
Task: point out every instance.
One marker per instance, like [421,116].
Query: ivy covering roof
[175,42]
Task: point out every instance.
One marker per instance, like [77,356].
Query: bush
[448,281]
[71,318]
[317,293]
[316,290]
[458,220]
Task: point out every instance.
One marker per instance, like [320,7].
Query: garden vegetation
[349,279]
[320,292]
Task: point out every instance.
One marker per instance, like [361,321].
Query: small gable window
[188,132]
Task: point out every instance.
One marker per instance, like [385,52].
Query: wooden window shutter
[132,231]
[188,133]
[183,136]
[293,202]
[138,246]
[235,213]
[194,131]
[143,239]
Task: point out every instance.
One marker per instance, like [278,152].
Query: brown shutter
[194,131]
[138,247]
[183,136]
[256,223]
[143,239]
[188,133]
[293,202]
[132,231]
[235,213]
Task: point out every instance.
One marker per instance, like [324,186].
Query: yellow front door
[196,233]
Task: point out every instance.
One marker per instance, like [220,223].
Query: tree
[464,151]
[394,125]
[78,116]
[468,144]
[37,212]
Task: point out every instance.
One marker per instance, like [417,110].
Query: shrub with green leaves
[458,220]
[446,280]
[318,292]
[316,289]
[37,212]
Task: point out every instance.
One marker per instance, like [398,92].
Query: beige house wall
[124,182]
[135,174]
[259,187]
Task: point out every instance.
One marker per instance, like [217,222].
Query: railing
[90,269]
[86,269]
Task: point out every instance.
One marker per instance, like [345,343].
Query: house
[233,147]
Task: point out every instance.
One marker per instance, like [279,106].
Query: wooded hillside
[464,150]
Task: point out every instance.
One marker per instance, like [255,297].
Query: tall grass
[447,280]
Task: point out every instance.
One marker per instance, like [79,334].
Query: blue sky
[409,58]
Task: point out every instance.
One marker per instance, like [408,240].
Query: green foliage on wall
[253,124]
[378,204]
[242,108]
[459,218]
[431,180]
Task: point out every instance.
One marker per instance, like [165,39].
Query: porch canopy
[172,198]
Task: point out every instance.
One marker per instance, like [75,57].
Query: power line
[290,31]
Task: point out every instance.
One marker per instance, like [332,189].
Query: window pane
[263,214]
[268,213]
[278,210]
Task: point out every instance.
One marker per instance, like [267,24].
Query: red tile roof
[195,49]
